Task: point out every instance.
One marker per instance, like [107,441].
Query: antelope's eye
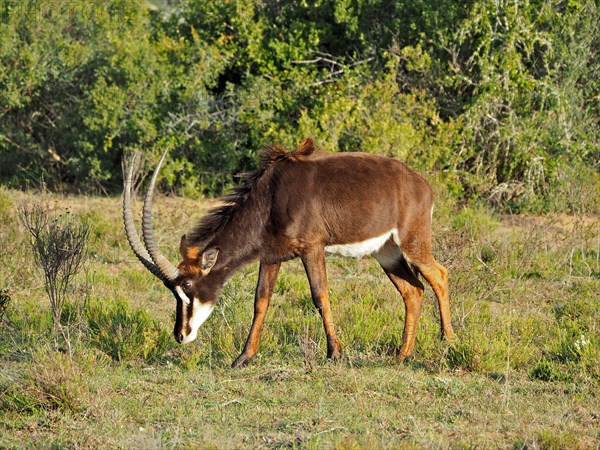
[186,285]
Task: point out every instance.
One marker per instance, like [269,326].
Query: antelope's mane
[219,217]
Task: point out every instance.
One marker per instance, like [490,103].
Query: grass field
[522,372]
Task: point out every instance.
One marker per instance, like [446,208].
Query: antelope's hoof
[242,361]
[334,353]
[405,357]
[447,335]
[335,357]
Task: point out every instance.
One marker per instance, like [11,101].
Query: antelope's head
[191,283]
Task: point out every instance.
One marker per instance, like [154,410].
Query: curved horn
[168,270]
[130,230]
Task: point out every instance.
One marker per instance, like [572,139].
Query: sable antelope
[302,204]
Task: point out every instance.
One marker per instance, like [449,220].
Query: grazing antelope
[302,204]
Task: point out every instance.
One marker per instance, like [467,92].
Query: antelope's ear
[209,258]
[188,251]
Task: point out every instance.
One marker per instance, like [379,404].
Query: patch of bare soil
[555,226]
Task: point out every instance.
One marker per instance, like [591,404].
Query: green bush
[125,334]
[501,98]
[546,370]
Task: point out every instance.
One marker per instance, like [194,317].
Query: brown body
[302,204]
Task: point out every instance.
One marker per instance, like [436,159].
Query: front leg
[267,276]
[314,264]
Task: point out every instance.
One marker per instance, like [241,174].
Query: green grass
[523,371]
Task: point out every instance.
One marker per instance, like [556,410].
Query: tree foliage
[500,97]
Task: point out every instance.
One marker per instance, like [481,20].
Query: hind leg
[437,276]
[406,282]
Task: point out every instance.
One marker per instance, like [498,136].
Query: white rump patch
[358,249]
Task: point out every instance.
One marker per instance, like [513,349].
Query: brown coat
[301,204]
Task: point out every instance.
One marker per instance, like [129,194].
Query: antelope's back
[346,197]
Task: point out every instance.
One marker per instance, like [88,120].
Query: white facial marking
[200,312]
[358,249]
[184,298]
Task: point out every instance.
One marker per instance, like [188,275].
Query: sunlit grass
[522,371]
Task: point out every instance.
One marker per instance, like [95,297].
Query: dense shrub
[498,96]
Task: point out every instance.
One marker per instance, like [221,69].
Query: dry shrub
[59,245]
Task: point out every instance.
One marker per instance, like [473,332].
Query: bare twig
[336,67]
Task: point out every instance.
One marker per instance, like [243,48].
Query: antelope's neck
[240,242]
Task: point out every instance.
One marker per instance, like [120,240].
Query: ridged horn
[169,271]
[130,231]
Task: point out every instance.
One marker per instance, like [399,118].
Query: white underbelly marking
[358,249]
